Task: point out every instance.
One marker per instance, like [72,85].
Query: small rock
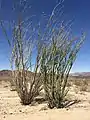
[10,113]
[5,112]
[4,117]
[67,109]
[20,110]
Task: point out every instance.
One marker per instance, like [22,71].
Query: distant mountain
[81,74]
[7,73]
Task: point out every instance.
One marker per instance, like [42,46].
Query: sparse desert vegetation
[40,83]
[11,108]
[56,50]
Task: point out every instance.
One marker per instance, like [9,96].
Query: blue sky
[77,9]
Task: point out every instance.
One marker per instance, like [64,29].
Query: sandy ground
[11,108]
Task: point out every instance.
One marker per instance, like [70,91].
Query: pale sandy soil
[11,108]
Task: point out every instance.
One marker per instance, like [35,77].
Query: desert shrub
[24,44]
[84,85]
[83,88]
[58,55]
[85,82]
[77,82]
[81,83]
[27,86]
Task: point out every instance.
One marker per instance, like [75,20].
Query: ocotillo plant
[27,86]
[23,46]
[58,55]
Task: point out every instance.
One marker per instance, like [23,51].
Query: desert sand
[11,108]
